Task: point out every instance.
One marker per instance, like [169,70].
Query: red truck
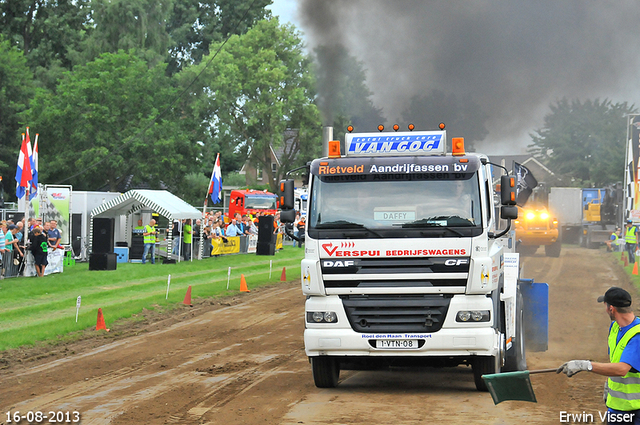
[250,201]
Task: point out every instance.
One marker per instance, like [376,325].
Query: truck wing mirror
[509,212]
[287,216]
[508,190]
[286,194]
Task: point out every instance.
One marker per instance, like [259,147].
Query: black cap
[12,226]
[616,297]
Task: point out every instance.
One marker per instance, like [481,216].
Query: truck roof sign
[395,144]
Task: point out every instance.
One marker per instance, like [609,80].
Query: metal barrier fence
[11,266]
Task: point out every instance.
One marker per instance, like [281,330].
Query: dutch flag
[215,186]
[23,172]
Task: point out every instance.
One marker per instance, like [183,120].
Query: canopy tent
[160,201]
[164,203]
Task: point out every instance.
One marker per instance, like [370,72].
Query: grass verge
[43,309]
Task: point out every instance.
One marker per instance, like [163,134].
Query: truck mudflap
[536,314]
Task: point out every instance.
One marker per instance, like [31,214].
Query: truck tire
[483,365]
[553,250]
[326,371]
[516,358]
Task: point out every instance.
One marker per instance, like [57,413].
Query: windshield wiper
[437,223]
[343,224]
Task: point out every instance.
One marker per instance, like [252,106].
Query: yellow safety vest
[149,238]
[630,235]
[624,391]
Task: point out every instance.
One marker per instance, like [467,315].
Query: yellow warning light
[396,127]
[441,126]
[334,149]
[411,127]
[380,127]
[530,215]
[457,145]
[350,128]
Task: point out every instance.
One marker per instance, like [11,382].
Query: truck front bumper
[444,343]
[537,237]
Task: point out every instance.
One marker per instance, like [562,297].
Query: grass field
[40,309]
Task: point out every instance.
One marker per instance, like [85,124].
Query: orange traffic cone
[187,297]
[283,276]
[626,261]
[243,284]
[100,323]
[635,268]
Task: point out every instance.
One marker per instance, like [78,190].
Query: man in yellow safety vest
[149,235]
[622,392]
[631,240]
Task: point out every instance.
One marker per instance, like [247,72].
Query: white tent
[160,201]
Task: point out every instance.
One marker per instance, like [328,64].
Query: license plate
[397,343]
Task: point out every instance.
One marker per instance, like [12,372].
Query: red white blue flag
[34,170]
[215,186]
[23,172]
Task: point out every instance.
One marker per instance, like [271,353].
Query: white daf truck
[405,263]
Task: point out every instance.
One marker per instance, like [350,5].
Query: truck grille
[396,313]
[358,272]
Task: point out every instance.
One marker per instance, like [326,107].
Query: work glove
[574,366]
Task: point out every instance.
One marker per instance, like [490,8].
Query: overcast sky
[512,57]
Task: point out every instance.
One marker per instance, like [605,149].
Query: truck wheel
[516,358]
[326,371]
[553,250]
[483,365]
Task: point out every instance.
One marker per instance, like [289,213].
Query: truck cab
[404,263]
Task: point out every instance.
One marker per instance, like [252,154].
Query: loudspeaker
[266,248]
[76,234]
[265,228]
[103,261]
[103,235]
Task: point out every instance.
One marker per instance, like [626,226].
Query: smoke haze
[513,58]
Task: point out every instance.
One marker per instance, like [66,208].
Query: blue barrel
[536,314]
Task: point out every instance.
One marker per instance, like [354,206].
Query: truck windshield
[395,204]
[260,202]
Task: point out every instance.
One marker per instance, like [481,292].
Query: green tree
[194,25]
[138,25]
[463,118]
[585,141]
[48,32]
[100,127]
[15,91]
[256,88]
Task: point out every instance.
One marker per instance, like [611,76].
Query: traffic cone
[243,284]
[100,323]
[187,297]
[626,261]
[622,256]
[283,276]
[635,268]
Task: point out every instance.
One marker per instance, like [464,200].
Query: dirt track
[245,363]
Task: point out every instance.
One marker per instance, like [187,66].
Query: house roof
[526,160]
[161,201]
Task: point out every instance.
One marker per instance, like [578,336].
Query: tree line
[148,91]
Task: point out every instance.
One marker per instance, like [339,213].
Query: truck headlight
[473,316]
[322,317]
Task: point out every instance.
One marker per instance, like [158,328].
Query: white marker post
[270,267]
[168,284]
[228,277]
[78,307]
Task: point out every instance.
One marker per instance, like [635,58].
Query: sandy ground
[242,361]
